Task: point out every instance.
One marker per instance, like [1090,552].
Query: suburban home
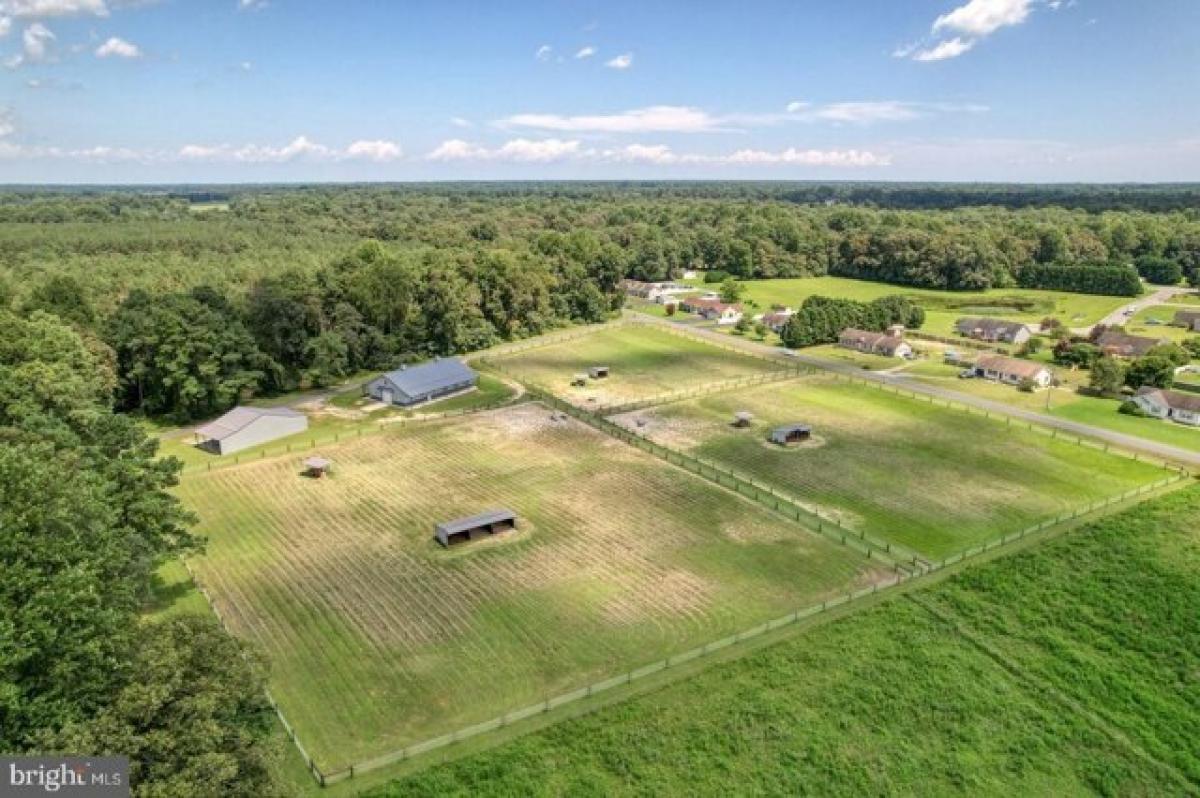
[654,292]
[410,385]
[874,343]
[993,330]
[713,310]
[1175,405]
[243,427]
[1118,344]
[1187,318]
[776,319]
[1012,370]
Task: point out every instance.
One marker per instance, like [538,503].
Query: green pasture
[929,478]
[1068,670]
[644,361]
[378,638]
[942,308]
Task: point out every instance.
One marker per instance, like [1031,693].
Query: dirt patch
[671,431]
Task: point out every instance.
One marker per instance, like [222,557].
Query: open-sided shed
[598,372]
[791,433]
[460,530]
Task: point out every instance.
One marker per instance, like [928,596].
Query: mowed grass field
[644,361]
[942,308]
[934,480]
[1068,669]
[378,638]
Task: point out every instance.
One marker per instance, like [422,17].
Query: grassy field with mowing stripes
[931,479]
[379,638]
[644,361]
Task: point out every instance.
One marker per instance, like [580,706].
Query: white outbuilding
[243,427]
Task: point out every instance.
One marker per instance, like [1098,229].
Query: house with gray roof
[1183,408]
[993,330]
[243,427]
[412,385]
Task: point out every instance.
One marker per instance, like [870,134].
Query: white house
[243,427]
[1183,408]
[1012,370]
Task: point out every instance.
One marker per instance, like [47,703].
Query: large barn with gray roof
[411,385]
[243,427]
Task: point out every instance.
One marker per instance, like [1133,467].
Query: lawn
[1139,324]
[644,361]
[1065,403]
[378,638]
[931,479]
[942,307]
[1068,669]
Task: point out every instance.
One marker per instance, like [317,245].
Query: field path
[1133,443]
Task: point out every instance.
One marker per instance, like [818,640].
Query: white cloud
[654,119]
[586,52]
[246,66]
[967,24]
[543,52]
[252,5]
[980,18]
[795,106]
[299,148]
[458,121]
[118,48]
[5,26]
[41,9]
[35,42]
[622,61]
[548,150]
[8,124]
[866,112]
[519,150]
[379,151]
[951,48]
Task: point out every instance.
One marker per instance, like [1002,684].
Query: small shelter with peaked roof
[598,372]
[317,467]
[742,418]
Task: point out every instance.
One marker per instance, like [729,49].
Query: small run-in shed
[742,418]
[317,467]
[461,530]
[579,380]
[791,433]
[598,372]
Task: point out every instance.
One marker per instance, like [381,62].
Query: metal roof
[474,521]
[317,462]
[784,430]
[239,418]
[430,377]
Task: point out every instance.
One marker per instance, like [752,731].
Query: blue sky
[297,90]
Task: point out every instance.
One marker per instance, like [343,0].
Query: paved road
[1121,315]
[1130,442]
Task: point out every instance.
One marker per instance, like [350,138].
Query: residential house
[1012,371]
[1177,406]
[1118,344]
[722,313]
[993,330]
[410,385]
[874,343]
[776,319]
[1187,318]
[658,292]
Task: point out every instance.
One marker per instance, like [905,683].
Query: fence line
[897,578]
[357,431]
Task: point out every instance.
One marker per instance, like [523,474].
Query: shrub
[1131,408]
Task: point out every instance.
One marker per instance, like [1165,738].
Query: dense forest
[177,302]
[199,296]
